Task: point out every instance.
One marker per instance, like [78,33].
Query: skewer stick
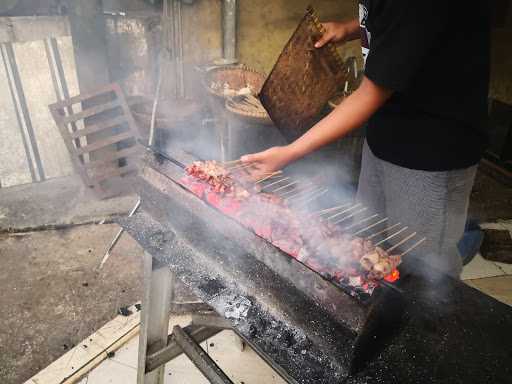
[275,182]
[391,236]
[304,193]
[383,231]
[349,216]
[315,196]
[412,247]
[232,162]
[344,211]
[285,186]
[401,242]
[328,210]
[299,190]
[361,221]
[239,167]
[271,175]
[371,226]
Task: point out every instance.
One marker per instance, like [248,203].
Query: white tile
[112,372]
[479,268]
[182,371]
[128,353]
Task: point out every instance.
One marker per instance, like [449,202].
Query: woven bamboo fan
[248,108]
[232,81]
[303,79]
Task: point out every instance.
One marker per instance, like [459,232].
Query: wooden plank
[127,152]
[88,95]
[99,126]
[91,111]
[31,28]
[105,143]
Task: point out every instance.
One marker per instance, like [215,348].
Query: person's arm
[352,113]
[339,32]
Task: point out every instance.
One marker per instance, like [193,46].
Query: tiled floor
[242,367]
[492,278]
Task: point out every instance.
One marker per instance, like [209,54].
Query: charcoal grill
[307,329]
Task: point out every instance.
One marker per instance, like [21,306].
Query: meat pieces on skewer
[379,263]
[218,177]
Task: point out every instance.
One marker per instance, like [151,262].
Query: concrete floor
[53,297]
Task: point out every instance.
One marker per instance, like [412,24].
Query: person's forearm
[353,31]
[352,113]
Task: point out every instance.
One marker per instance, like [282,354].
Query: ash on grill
[334,252]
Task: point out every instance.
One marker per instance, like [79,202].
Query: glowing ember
[343,259]
[393,276]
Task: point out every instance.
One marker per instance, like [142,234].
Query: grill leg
[154,323]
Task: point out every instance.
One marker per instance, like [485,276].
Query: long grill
[301,323]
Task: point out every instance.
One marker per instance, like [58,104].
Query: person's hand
[335,32]
[268,161]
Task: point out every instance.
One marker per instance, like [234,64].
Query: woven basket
[257,115]
[236,77]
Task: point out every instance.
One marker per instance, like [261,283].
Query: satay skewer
[315,196]
[383,231]
[239,167]
[271,175]
[401,242]
[371,226]
[361,221]
[351,215]
[391,236]
[304,193]
[231,162]
[275,182]
[412,247]
[285,186]
[344,211]
[297,191]
[329,210]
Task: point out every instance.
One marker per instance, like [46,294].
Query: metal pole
[154,321]
[229,18]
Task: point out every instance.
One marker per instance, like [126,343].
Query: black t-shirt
[435,56]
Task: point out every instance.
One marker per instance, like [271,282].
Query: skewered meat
[218,177]
[379,263]
[321,245]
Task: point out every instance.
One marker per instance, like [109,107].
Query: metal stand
[156,347]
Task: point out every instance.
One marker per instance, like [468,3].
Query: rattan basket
[235,77]
[248,108]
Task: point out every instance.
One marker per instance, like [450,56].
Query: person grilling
[423,99]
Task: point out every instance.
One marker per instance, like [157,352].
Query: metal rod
[349,216]
[199,357]
[118,236]
[172,350]
[275,182]
[391,236]
[344,211]
[361,222]
[401,242]
[285,186]
[413,246]
[383,231]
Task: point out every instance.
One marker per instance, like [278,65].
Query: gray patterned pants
[434,204]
